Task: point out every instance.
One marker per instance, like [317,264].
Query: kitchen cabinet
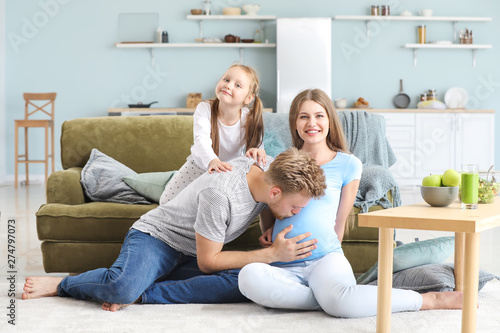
[431,141]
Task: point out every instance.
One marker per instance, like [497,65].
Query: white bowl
[251,9]
[340,103]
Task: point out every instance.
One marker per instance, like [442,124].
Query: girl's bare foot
[442,300]
[36,287]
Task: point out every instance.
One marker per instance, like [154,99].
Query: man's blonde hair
[295,171]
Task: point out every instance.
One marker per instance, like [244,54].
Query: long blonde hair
[335,140]
[254,126]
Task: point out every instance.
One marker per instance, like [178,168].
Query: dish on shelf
[441,42]
[196,11]
[209,40]
[251,9]
[456,98]
[247,40]
[231,11]
[354,106]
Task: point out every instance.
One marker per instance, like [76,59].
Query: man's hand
[286,250]
[259,155]
[266,239]
[219,166]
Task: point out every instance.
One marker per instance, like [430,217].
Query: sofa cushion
[432,277]
[150,185]
[102,180]
[431,251]
[144,144]
[89,222]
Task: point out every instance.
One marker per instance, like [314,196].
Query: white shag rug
[59,315]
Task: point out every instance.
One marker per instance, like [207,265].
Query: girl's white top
[231,138]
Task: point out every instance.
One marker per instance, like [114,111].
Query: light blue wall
[71,51]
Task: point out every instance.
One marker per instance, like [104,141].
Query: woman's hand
[266,239]
[219,166]
[259,155]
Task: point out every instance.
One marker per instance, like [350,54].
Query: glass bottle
[374,10]
[421,34]
[207,7]
[258,37]
[385,10]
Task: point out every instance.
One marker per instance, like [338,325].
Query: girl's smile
[234,87]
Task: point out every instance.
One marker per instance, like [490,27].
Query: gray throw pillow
[102,180]
[432,277]
[431,251]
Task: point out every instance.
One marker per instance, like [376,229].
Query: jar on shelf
[422,31]
[385,10]
[207,7]
[258,36]
[374,11]
[431,95]
[423,97]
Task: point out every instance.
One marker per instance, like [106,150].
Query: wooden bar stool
[44,123]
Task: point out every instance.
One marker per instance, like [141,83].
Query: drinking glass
[470,184]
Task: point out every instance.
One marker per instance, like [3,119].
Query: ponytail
[254,127]
[214,129]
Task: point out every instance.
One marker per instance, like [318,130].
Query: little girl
[223,128]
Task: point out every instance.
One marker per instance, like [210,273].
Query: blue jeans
[149,268]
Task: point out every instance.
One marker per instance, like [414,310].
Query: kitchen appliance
[303,55]
[401,100]
[141,105]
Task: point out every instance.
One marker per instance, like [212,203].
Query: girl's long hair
[254,126]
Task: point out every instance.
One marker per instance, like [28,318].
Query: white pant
[326,283]
[182,178]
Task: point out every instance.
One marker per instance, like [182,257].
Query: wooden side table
[467,225]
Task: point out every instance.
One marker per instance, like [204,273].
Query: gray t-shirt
[218,206]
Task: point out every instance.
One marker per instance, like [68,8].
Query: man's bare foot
[442,300]
[36,287]
[113,307]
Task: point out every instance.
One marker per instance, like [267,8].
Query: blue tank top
[318,217]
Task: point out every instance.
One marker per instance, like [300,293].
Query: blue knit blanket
[365,134]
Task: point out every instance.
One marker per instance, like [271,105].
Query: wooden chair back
[47,108]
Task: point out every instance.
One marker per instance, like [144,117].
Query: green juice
[470,184]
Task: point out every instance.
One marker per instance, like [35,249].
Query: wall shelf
[152,46]
[473,47]
[213,45]
[415,47]
[202,18]
[411,18]
[231,17]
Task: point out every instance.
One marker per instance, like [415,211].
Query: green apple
[451,178]
[432,180]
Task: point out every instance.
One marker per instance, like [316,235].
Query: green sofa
[78,235]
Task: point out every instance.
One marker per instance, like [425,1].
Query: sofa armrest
[64,187]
